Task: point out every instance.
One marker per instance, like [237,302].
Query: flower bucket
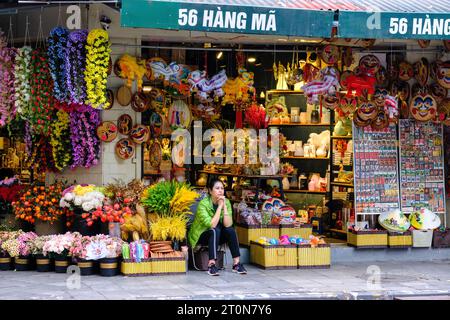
[23,263]
[61,264]
[5,263]
[109,267]
[80,225]
[87,267]
[43,263]
[43,228]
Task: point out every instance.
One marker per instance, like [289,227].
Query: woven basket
[273,256]
[160,266]
[303,231]
[143,268]
[422,238]
[367,239]
[248,233]
[400,240]
[314,257]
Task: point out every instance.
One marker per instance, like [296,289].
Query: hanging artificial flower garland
[86,145]
[57,62]
[42,155]
[40,115]
[97,62]
[22,75]
[60,140]
[7,108]
[75,66]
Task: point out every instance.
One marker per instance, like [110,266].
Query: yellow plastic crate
[400,240]
[314,257]
[367,239]
[174,265]
[273,256]
[143,268]
[248,233]
[303,231]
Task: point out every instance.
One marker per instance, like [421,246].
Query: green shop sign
[391,25]
[234,18]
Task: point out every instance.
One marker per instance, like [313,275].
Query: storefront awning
[299,18]
[388,19]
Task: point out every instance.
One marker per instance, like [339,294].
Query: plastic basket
[422,238]
[143,268]
[273,256]
[173,265]
[248,233]
[314,257]
[367,239]
[303,231]
[400,240]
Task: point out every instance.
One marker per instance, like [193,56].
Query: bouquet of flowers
[37,245]
[41,203]
[61,244]
[87,197]
[19,246]
[6,236]
[79,247]
[287,169]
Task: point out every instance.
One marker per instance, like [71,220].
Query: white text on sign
[420,26]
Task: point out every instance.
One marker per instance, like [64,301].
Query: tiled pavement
[341,281]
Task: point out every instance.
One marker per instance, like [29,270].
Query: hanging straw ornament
[97,63]
[57,43]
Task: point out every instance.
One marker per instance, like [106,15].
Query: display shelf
[305,158]
[342,137]
[338,231]
[304,191]
[240,175]
[342,184]
[299,125]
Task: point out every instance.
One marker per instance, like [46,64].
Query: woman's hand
[221,201]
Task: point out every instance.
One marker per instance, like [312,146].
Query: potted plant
[83,200]
[19,249]
[60,247]
[39,205]
[5,258]
[43,262]
[169,202]
[82,246]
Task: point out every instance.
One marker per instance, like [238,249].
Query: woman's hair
[212,183]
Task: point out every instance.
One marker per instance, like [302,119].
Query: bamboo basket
[303,230]
[400,239]
[248,233]
[367,239]
[273,256]
[135,269]
[314,257]
[173,265]
[422,238]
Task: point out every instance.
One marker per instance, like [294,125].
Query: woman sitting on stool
[213,226]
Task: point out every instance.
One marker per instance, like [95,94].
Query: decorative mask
[381,120]
[359,122]
[379,97]
[330,101]
[439,93]
[444,111]
[343,80]
[392,72]
[405,71]
[139,133]
[382,77]
[418,89]
[155,124]
[423,43]
[330,54]
[125,148]
[367,111]
[422,71]
[423,107]
[348,105]
[400,88]
[140,102]
[369,64]
[107,131]
[124,124]
[443,73]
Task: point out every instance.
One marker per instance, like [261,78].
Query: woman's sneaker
[239,268]
[212,270]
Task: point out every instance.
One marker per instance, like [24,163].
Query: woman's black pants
[217,236]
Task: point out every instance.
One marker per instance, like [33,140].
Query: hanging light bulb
[251,59]
[219,55]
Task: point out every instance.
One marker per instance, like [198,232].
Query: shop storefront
[326,124]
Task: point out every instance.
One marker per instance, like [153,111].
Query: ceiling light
[251,59]
[219,55]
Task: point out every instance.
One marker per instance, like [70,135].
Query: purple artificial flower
[7,101]
[75,56]
[57,63]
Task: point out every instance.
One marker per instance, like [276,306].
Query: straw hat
[424,219]
[394,221]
